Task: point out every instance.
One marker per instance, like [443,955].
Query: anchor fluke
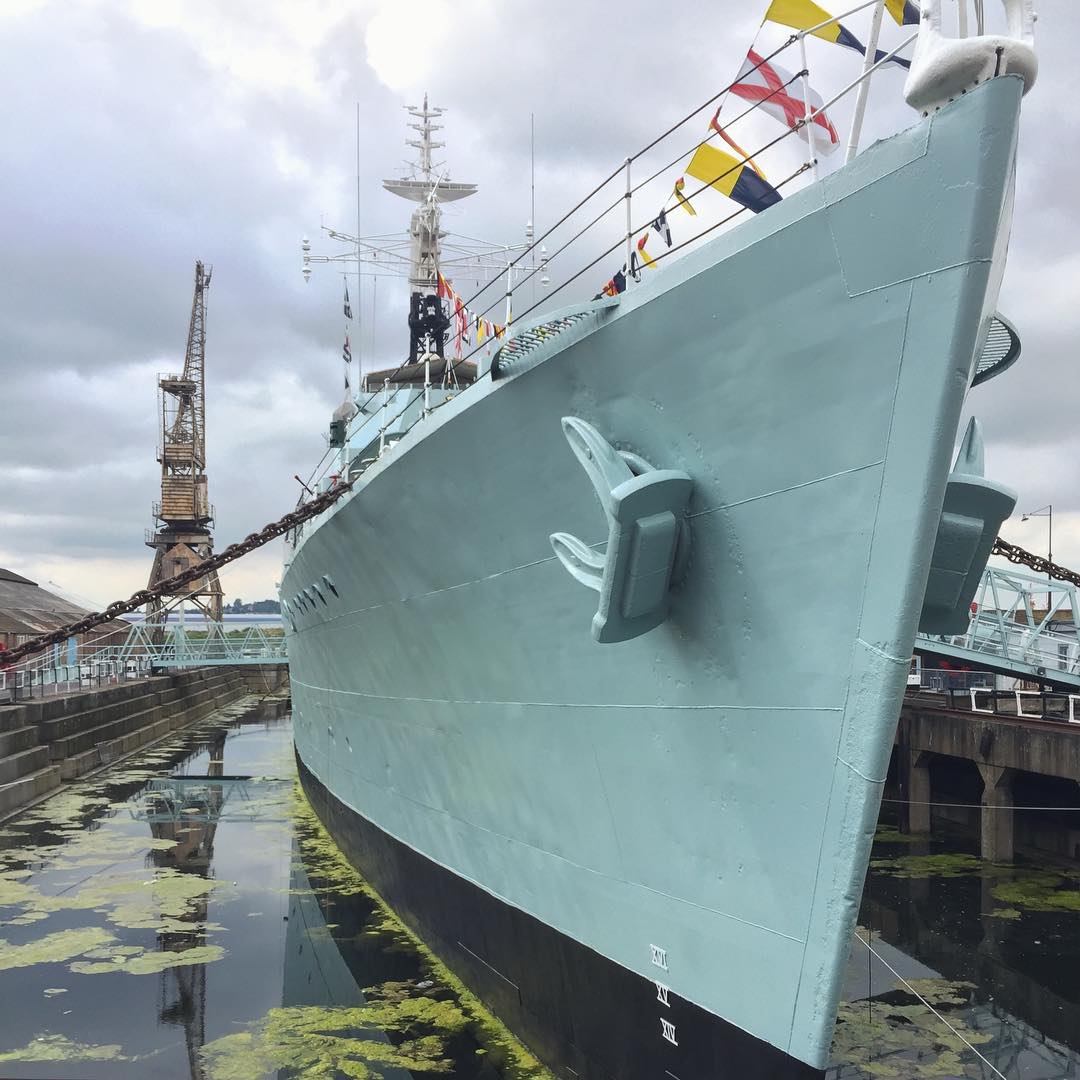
[646,512]
[971,515]
[971,457]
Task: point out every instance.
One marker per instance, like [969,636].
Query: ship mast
[430,249]
[423,186]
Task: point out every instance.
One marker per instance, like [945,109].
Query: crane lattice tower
[182,535]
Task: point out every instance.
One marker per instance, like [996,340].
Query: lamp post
[1047,512]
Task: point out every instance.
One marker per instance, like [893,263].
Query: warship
[596,667]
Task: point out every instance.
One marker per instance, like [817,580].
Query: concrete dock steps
[29,787]
[49,740]
[60,749]
[22,738]
[62,727]
[22,763]
[102,743]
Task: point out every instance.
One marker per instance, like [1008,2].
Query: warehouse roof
[26,608]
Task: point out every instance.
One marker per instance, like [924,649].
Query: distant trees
[257,607]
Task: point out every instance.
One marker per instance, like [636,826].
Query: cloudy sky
[141,135]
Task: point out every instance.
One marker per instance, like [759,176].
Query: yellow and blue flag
[903,11]
[803,14]
[733,178]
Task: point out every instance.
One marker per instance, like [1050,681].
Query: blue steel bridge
[1022,626]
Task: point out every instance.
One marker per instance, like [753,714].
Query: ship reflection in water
[184,916]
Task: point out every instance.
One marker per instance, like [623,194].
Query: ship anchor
[972,512]
[647,535]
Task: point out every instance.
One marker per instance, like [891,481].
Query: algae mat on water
[1023,888]
[423,1016]
[899,1038]
[324,1042]
[61,1048]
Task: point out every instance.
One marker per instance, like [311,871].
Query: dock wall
[47,741]
[1002,749]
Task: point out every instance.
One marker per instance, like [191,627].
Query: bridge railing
[1020,621]
[91,665]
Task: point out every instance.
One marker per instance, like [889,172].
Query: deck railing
[600,230]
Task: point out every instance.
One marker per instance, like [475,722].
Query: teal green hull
[710,787]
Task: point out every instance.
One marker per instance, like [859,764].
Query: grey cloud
[127,155]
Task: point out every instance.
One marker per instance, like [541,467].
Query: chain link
[1036,562]
[171,586]
[311,509]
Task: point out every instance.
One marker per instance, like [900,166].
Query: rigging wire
[622,198]
[739,164]
[599,187]
[734,120]
[689,116]
[633,157]
[915,993]
[614,247]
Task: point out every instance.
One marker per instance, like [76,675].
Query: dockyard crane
[182,535]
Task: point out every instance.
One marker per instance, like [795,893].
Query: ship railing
[609,225]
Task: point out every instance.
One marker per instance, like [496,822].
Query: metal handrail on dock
[138,656]
[1044,706]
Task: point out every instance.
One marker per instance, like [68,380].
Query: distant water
[185,916]
[196,620]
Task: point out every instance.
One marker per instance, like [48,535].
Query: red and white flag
[460,322]
[780,94]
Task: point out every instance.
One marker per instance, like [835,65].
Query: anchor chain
[174,584]
[317,505]
[1035,562]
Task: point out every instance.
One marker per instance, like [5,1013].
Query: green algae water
[962,968]
[184,914]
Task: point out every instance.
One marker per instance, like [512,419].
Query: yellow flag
[646,258]
[715,168]
[684,202]
[903,11]
[801,15]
